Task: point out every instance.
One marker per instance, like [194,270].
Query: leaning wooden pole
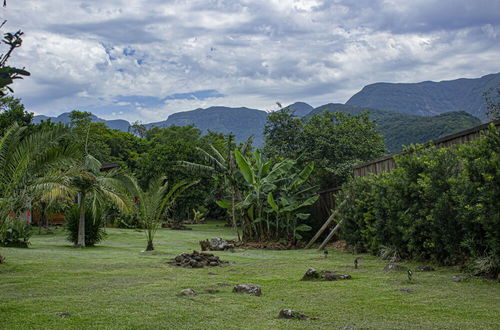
[325,225]
[329,237]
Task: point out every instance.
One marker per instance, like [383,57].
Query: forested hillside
[400,129]
[428,98]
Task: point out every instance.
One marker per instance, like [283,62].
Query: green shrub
[94,222]
[17,233]
[438,204]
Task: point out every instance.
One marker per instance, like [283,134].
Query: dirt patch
[272,245]
[340,245]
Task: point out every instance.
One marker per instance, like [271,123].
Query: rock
[216,244]
[188,292]
[331,276]
[458,278]
[196,260]
[407,290]
[395,267]
[64,314]
[311,274]
[426,268]
[291,314]
[248,288]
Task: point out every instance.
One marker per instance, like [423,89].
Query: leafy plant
[438,204]
[154,204]
[17,233]
[94,225]
[268,217]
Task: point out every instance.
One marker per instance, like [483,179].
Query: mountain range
[404,113]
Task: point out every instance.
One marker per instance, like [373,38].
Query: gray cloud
[251,53]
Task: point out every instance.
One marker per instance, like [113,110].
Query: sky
[142,60]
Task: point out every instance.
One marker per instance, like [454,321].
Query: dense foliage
[333,141]
[438,204]
[94,225]
[403,129]
[276,198]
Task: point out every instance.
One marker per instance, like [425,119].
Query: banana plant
[270,218]
[291,199]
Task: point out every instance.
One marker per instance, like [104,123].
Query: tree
[223,169]
[282,134]
[7,73]
[164,148]
[95,188]
[30,167]
[12,111]
[492,99]
[154,203]
[333,141]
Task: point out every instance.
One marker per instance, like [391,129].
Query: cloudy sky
[145,59]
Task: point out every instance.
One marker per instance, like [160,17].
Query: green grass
[117,286]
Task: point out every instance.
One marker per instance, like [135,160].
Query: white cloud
[88,53]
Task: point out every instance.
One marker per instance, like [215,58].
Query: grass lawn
[117,286]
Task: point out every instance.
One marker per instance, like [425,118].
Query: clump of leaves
[94,231]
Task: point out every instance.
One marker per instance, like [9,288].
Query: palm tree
[222,167]
[154,204]
[30,168]
[94,188]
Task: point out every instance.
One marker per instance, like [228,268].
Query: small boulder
[407,290]
[291,314]
[248,288]
[63,314]
[394,267]
[458,278]
[311,274]
[331,276]
[426,268]
[188,292]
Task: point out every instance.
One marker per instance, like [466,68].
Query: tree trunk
[81,223]
[150,246]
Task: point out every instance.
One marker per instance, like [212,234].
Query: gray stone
[458,278]
[394,267]
[311,274]
[248,288]
[331,276]
[188,292]
[291,314]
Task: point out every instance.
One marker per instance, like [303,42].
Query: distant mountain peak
[428,98]
[301,109]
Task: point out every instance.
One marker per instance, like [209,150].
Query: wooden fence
[387,163]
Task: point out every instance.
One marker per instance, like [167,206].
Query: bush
[438,204]
[94,222]
[17,233]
